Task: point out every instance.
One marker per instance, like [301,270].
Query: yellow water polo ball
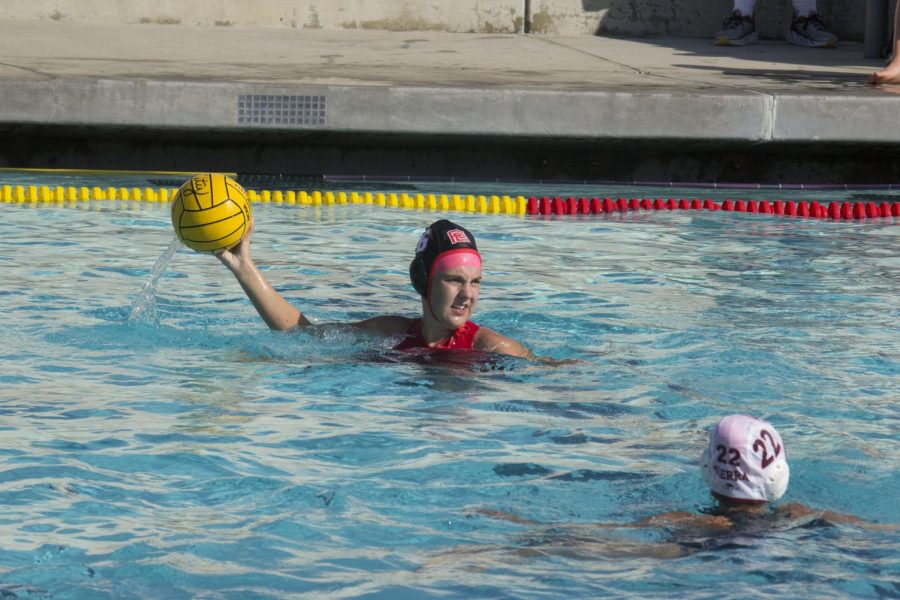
[210,212]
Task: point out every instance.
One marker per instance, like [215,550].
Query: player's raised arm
[276,311]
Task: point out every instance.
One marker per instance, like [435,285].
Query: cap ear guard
[777,481]
[418,268]
[418,274]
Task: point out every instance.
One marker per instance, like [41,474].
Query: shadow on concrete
[847,54]
[808,79]
[823,63]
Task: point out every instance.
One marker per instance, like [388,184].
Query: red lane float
[836,211]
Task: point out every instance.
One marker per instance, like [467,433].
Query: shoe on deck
[810,31]
[737,30]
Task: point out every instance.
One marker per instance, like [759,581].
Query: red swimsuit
[461,339]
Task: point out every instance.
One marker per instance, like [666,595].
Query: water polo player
[745,466]
[446,272]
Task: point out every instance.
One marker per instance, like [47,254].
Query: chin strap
[426,299]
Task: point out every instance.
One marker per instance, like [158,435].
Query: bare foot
[890,74]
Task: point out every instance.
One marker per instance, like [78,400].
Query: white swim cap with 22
[746,460]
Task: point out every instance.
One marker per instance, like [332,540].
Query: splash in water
[143,308]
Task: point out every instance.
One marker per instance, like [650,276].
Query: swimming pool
[187,451]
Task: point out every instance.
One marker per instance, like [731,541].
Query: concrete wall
[630,18]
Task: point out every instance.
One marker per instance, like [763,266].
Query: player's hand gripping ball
[210,212]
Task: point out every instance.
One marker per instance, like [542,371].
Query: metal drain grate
[263,109]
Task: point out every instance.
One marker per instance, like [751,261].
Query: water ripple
[196,454]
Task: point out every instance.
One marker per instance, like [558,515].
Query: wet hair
[440,237]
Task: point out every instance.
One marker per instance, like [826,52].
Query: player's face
[454,294]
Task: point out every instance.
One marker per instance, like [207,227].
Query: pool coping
[272,85]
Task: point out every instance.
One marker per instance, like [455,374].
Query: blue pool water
[170,446]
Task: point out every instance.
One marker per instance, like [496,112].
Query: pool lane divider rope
[518,205]
[790,208]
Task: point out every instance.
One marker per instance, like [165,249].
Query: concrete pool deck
[73,93]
